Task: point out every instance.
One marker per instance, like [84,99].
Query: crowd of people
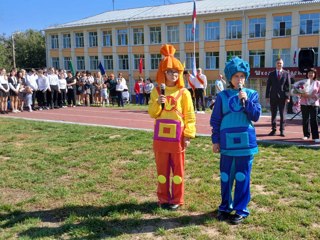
[45,89]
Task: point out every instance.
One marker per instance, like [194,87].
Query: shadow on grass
[101,222]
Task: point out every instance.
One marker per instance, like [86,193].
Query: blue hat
[236,65]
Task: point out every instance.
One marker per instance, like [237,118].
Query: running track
[138,119]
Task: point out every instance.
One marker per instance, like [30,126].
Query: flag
[71,68]
[140,65]
[103,72]
[295,57]
[194,17]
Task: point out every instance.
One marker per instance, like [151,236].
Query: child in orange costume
[174,126]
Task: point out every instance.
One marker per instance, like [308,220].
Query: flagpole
[194,24]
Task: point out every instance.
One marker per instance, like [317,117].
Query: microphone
[242,99]
[162,88]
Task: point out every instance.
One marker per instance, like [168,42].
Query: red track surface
[136,119]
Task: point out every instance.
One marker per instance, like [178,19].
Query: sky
[20,15]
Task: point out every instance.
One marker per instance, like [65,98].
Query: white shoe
[317,140]
[305,138]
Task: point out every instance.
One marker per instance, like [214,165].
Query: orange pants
[167,163]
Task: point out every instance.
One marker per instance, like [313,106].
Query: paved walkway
[137,119]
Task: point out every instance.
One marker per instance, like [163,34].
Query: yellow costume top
[180,109]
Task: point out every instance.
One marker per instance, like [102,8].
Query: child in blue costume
[233,135]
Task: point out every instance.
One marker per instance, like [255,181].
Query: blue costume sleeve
[253,107]
[215,120]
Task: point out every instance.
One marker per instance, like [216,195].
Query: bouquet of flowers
[301,87]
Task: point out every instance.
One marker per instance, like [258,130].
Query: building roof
[204,7]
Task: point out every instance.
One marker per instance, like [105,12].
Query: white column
[245,37]
[146,33]
[201,44]
[268,45]
[295,31]
[222,48]
[73,54]
[182,41]
[114,50]
[86,44]
[100,55]
[61,58]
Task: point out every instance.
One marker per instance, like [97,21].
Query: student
[4,91]
[44,87]
[174,126]
[234,137]
[14,90]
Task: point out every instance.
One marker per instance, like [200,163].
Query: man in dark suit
[278,93]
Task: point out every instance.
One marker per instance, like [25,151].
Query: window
[55,62]
[80,63]
[94,62]
[189,60]
[212,60]
[234,29]
[309,23]
[54,41]
[66,63]
[257,27]
[108,62]
[212,31]
[138,36]
[136,61]
[282,26]
[190,34]
[281,53]
[316,53]
[107,38]
[93,39]
[155,35]
[231,54]
[257,59]
[66,41]
[123,62]
[155,60]
[122,37]
[173,34]
[79,40]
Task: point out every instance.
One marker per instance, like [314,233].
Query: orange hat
[169,62]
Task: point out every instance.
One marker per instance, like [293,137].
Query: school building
[258,31]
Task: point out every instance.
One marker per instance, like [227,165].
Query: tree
[30,49]
[5,53]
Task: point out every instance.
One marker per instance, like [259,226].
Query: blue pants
[238,170]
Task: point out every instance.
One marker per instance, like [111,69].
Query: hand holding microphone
[242,95]
[162,96]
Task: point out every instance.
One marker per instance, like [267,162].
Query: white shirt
[196,82]
[219,86]
[53,79]
[31,81]
[62,83]
[43,83]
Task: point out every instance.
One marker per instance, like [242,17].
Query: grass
[61,181]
